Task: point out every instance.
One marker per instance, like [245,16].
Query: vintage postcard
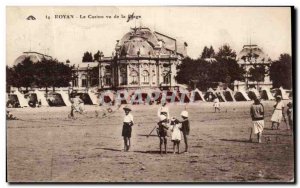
[149,94]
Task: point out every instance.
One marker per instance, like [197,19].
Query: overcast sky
[268,27]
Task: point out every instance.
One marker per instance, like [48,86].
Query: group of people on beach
[178,129]
[257,114]
[164,127]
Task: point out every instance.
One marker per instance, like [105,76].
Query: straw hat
[184,113]
[162,117]
[127,108]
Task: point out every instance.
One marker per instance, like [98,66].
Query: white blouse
[128,118]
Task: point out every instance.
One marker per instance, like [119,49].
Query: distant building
[34,57]
[250,56]
[142,59]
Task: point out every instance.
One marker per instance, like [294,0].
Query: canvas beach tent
[210,95]
[85,97]
[266,94]
[253,93]
[55,99]
[220,95]
[23,102]
[93,96]
[241,95]
[184,96]
[41,98]
[197,95]
[35,98]
[170,96]
[65,97]
[106,97]
[156,94]
[123,96]
[141,96]
[229,95]
[17,99]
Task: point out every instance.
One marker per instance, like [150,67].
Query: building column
[100,76]
[139,72]
[157,72]
[127,72]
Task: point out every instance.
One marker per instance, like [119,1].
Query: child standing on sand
[127,127]
[162,132]
[217,104]
[176,134]
[185,128]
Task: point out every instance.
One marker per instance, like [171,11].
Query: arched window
[166,77]
[83,80]
[134,78]
[123,76]
[145,77]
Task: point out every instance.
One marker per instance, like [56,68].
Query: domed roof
[136,46]
[144,33]
[252,51]
[33,56]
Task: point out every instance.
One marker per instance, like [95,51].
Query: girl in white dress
[176,134]
[278,112]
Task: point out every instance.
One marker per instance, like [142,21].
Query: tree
[226,69]
[225,52]
[10,78]
[257,73]
[24,74]
[94,76]
[51,73]
[98,55]
[281,72]
[191,70]
[207,53]
[87,57]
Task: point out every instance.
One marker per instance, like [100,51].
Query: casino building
[141,59]
[249,57]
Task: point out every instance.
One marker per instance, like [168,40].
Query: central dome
[136,46]
[139,41]
[252,51]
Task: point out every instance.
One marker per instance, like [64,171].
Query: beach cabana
[229,95]
[197,95]
[265,94]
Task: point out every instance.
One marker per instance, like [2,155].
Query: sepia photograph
[150,94]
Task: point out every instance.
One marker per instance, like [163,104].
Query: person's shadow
[109,149]
[152,152]
[236,140]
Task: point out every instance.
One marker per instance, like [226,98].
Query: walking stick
[151,131]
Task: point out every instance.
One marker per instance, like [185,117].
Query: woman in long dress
[278,112]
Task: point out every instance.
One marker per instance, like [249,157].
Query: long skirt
[126,132]
[277,116]
[258,126]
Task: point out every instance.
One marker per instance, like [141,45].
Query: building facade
[141,59]
[252,56]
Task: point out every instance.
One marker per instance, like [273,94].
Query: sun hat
[162,117]
[127,108]
[184,113]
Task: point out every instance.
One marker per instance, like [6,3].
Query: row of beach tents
[140,96]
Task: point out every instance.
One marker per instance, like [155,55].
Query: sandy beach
[47,146]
